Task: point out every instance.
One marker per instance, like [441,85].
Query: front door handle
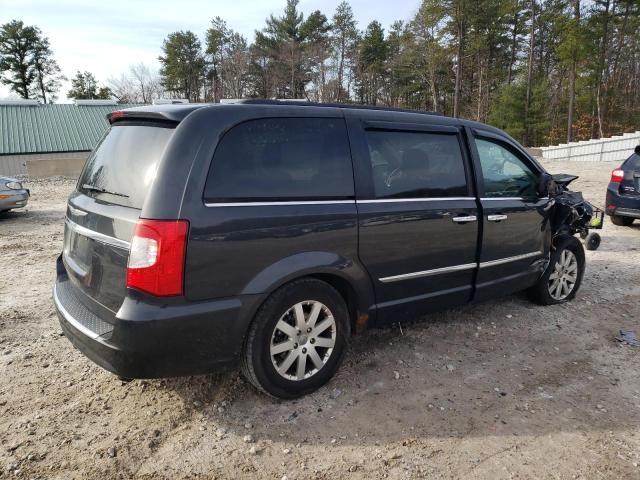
[496,218]
[466,219]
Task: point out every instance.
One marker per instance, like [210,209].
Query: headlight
[14,186]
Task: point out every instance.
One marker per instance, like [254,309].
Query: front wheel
[561,280]
[297,339]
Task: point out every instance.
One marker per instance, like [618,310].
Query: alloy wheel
[563,279]
[303,340]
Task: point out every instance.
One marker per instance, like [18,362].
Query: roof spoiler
[139,115]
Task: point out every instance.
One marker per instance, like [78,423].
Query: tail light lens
[156,258]
[617,175]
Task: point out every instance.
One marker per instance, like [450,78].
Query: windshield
[123,166]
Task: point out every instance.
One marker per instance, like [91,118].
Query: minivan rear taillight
[617,175]
[156,257]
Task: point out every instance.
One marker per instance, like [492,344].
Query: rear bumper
[13,199]
[622,205]
[150,341]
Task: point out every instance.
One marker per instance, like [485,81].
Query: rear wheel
[297,339]
[621,221]
[561,280]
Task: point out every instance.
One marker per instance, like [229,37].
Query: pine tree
[27,65]
[84,86]
[182,65]
[344,39]
[49,77]
[372,55]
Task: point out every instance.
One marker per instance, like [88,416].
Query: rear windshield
[123,166]
[633,163]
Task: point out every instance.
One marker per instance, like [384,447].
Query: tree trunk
[479,90]
[532,43]
[572,79]
[461,33]
[43,90]
[341,67]
[604,43]
[434,92]
[514,42]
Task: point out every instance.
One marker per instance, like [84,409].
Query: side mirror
[544,184]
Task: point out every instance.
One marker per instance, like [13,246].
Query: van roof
[175,113]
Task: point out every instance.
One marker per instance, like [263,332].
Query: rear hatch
[630,184]
[104,208]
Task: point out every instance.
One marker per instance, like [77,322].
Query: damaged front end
[568,212]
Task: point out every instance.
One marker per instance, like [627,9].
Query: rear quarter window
[282,159]
[123,166]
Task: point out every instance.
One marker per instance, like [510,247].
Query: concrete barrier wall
[66,167]
[12,165]
[43,164]
[617,148]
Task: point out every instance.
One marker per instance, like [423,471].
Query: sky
[105,37]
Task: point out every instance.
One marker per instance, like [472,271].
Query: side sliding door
[418,216]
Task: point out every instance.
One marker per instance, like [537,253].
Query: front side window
[504,173]
[282,159]
[416,164]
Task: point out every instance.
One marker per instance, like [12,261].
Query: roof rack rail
[170,101]
[298,103]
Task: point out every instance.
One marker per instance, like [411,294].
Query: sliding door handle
[466,219]
[496,218]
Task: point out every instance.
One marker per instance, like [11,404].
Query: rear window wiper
[93,188]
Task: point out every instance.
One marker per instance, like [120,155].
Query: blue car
[12,194]
[623,192]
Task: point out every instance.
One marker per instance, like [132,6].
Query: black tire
[540,292]
[257,364]
[621,221]
[592,242]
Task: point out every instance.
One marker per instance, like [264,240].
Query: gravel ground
[501,389]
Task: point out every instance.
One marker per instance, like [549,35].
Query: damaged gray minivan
[265,233]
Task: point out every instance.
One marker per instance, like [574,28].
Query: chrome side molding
[334,202]
[273,204]
[515,258]
[412,199]
[458,268]
[428,273]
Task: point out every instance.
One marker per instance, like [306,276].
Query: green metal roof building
[64,133]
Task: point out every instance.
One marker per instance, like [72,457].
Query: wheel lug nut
[304,350]
[313,340]
[295,345]
[308,330]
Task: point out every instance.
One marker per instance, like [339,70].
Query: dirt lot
[502,389]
